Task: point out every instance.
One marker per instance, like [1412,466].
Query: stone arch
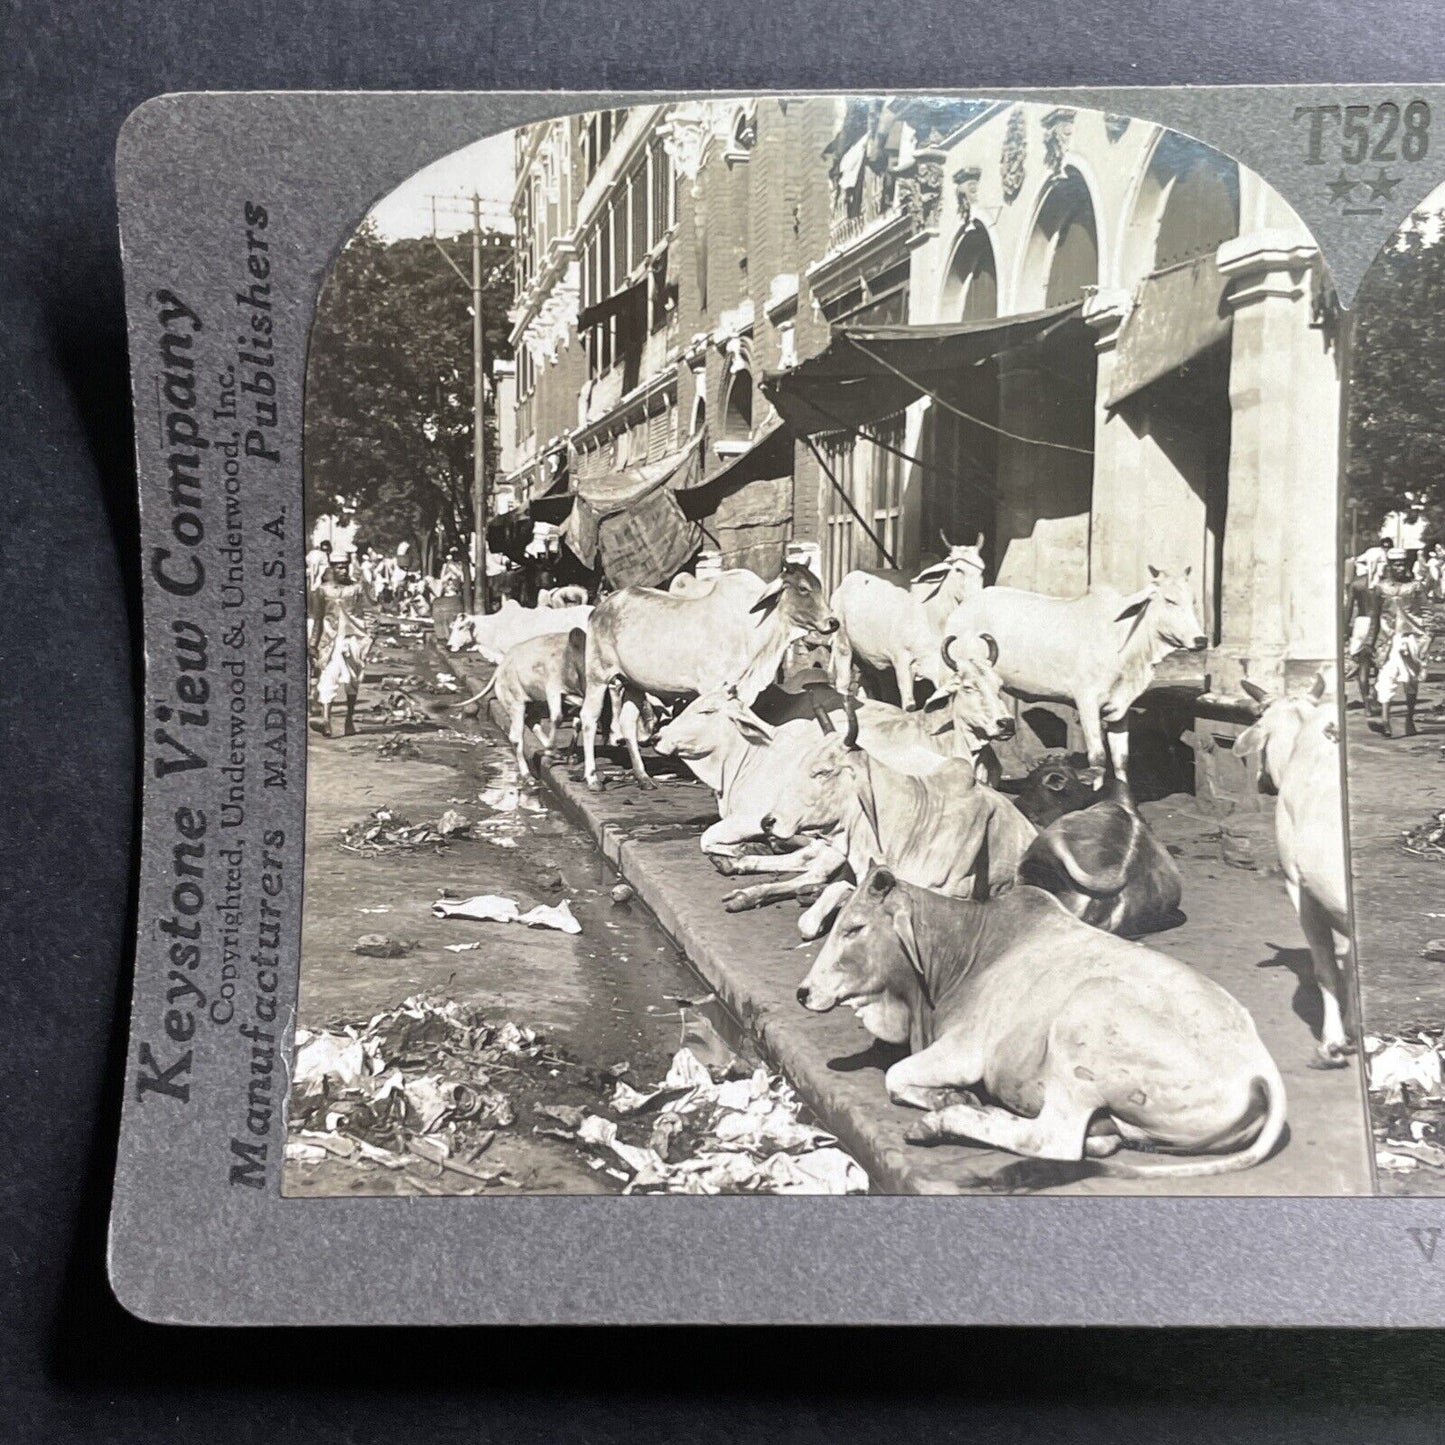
[1062,254]
[737,406]
[970,287]
[1185,203]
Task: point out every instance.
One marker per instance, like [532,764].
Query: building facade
[674,259]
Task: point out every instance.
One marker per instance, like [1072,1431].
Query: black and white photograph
[822,624]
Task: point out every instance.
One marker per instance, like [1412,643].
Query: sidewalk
[1241,931]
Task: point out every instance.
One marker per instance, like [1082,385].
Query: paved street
[1395,784]
[600,997]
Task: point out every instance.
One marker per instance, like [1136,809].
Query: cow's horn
[992,644]
[820,712]
[850,738]
[943,537]
[947,654]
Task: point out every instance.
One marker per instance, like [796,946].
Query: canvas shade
[867,373]
[1178,314]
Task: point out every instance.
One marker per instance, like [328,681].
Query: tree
[1397,378]
[388,428]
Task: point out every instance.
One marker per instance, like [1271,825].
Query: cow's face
[797,596]
[463,634]
[712,723]
[1273,737]
[961,571]
[813,797]
[1171,610]
[870,961]
[973,705]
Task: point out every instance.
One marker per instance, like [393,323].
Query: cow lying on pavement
[1053,787]
[1298,745]
[946,830]
[549,669]
[492,633]
[1106,867]
[1079,1042]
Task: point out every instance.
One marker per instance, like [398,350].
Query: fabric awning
[768,458]
[614,305]
[867,373]
[1178,314]
[614,490]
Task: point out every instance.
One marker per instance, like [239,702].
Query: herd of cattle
[989,931]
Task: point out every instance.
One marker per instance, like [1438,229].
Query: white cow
[891,628]
[1097,652]
[673,645]
[547,669]
[493,633]
[1298,744]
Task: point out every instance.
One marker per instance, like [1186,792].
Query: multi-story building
[1098,343]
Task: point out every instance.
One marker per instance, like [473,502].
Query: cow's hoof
[593,785]
[737,901]
[928,1130]
[646,784]
[725,866]
[325,730]
[1332,1056]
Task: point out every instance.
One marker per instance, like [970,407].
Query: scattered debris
[1426,840]
[398,745]
[414,1089]
[623,893]
[1407,1099]
[493,908]
[385,831]
[382,945]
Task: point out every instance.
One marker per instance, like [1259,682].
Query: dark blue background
[74,1366]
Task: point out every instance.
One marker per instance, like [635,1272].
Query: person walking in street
[1361,606]
[343,642]
[318,559]
[1401,612]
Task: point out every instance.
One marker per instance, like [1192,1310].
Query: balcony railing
[871,198]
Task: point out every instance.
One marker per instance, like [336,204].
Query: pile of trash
[1407,1100]
[398,745]
[1426,840]
[386,831]
[436,1082]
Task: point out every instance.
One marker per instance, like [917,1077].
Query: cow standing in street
[890,627]
[493,633]
[1097,652]
[548,669]
[1298,746]
[1077,1043]
[672,646]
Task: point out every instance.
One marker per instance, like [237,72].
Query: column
[1279,571]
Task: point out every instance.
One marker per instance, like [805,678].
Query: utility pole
[479,433]
[481,585]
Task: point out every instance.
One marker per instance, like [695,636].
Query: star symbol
[1382,188]
[1340,189]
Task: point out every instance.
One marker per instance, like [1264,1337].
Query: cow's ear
[1154,572]
[1189,570]
[752,727]
[1317,688]
[881,882]
[903,927]
[1134,605]
[1250,741]
[768,598]
[1254,690]
[1054,782]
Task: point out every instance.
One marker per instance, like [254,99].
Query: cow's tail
[1271,1086]
[478,697]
